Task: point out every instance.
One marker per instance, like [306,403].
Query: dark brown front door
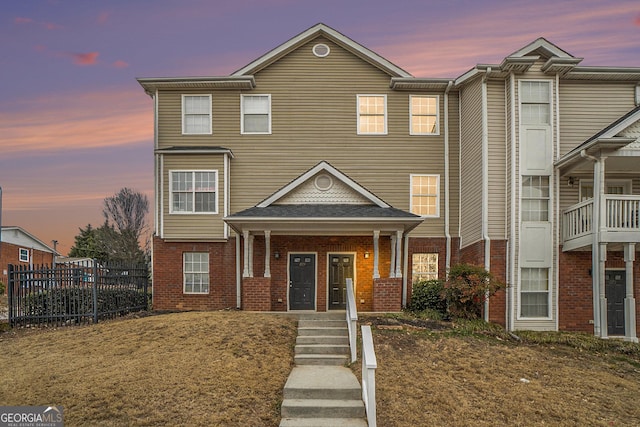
[302,281]
[615,290]
[340,268]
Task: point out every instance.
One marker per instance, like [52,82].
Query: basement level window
[321,50]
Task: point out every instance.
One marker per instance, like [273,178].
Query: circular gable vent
[321,50]
[323,182]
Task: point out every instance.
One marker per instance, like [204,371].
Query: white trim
[385,130]
[437,195]
[208,272]
[515,184]
[355,273]
[25,252]
[549,297]
[161,189]
[540,43]
[193,212]
[315,297]
[321,46]
[437,115]
[254,95]
[226,190]
[182,112]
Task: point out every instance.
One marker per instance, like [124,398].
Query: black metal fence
[75,293]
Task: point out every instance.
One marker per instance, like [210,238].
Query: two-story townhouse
[321,160]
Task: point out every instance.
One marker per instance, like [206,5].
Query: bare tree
[125,215]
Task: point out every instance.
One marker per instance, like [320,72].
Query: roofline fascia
[151,83]
[196,151]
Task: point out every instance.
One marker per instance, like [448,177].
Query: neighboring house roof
[20,237]
[333,35]
[605,141]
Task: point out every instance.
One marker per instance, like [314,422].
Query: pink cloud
[637,20]
[51,26]
[103,18]
[90,58]
[120,64]
[40,48]
[21,20]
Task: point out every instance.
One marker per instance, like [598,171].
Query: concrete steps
[320,390]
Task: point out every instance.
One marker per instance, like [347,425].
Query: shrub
[467,288]
[3,288]
[427,295]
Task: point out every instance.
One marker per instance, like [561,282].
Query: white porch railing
[621,214]
[369,365]
[352,320]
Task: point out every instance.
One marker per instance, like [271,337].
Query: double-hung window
[256,114]
[372,114]
[196,272]
[23,255]
[424,266]
[425,195]
[535,198]
[534,292]
[196,114]
[424,115]
[194,192]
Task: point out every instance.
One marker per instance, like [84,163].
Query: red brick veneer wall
[387,294]
[256,293]
[10,254]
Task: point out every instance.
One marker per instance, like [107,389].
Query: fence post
[10,295]
[94,288]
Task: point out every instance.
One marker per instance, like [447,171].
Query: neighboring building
[322,160]
[18,247]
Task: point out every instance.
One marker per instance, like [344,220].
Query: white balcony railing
[621,214]
[369,366]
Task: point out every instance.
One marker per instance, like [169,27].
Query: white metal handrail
[352,320]
[369,365]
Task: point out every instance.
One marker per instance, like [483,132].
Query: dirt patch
[208,369]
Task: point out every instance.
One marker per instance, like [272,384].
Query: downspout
[485,185]
[227,166]
[447,233]
[156,162]
[595,246]
[405,267]
[512,238]
[238,274]
[556,200]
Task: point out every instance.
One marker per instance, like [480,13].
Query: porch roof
[341,219]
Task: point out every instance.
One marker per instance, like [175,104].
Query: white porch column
[630,301]
[399,253]
[376,251]
[595,248]
[392,268]
[603,296]
[245,270]
[251,240]
[267,253]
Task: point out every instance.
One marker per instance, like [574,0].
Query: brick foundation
[387,294]
[256,293]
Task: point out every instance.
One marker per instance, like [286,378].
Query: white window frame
[546,198]
[437,195]
[359,114]
[184,115]
[433,273]
[200,272]
[242,114]
[193,211]
[627,185]
[23,255]
[436,115]
[548,291]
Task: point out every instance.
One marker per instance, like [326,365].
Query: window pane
[256,104]
[535,304]
[256,123]
[424,266]
[371,104]
[182,202]
[205,202]
[534,92]
[196,272]
[205,181]
[423,124]
[372,124]
[196,104]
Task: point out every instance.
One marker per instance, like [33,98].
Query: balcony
[621,222]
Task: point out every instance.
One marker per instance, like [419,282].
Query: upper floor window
[23,255]
[196,272]
[425,195]
[196,114]
[424,115]
[193,191]
[535,198]
[535,102]
[372,114]
[424,266]
[256,114]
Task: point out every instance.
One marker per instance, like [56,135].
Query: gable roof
[333,35]
[20,237]
[335,173]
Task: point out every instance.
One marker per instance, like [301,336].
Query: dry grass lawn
[197,369]
[440,378]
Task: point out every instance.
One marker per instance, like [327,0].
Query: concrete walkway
[320,390]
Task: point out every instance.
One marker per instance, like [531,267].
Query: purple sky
[75,126]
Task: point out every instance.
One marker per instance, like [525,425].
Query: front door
[340,268]
[615,290]
[302,281]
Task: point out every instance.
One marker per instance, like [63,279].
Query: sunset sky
[75,126]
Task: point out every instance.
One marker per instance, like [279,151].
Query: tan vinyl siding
[313,119]
[587,107]
[497,159]
[471,163]
[454,166]
[193,226]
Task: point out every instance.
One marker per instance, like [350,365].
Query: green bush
[467,288]
[427,295]
[3,288]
